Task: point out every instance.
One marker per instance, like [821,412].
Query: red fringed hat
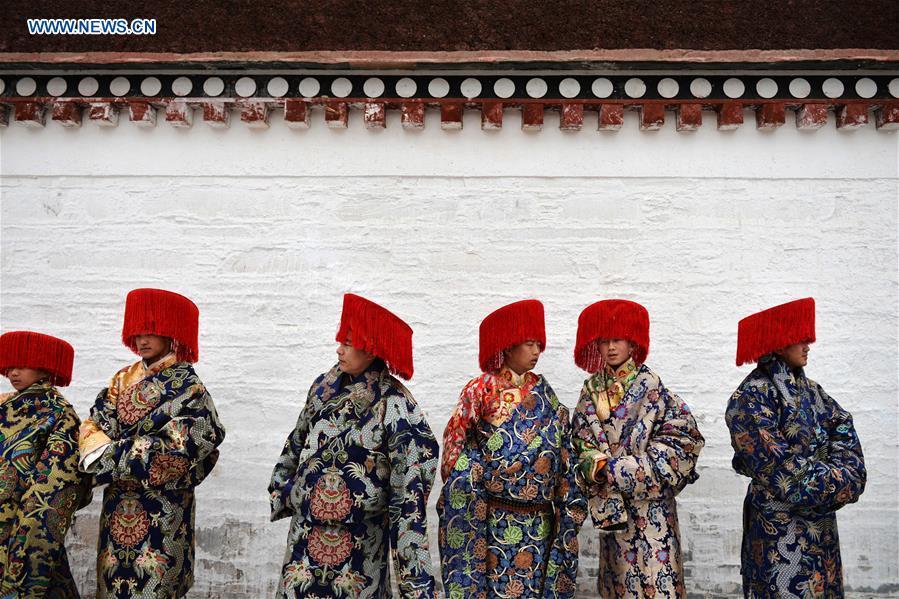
[26,349]
[775,328]
[610,319]
[510,325]
[163,313]
[377,331]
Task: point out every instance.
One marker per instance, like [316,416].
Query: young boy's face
[522,357]
[22,378]
[615,352]
[152,347]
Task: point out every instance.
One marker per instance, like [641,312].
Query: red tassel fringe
[508,326]
[610,319]
[27,349]
[775,328]
[163,313]
[377,331]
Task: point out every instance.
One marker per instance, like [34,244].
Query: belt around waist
[517,506]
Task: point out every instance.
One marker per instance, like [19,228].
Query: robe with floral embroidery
[511,504]
[40,489]
[651,444]
[355,475]
[801,451]
[164,431]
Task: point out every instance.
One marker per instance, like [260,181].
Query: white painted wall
[265,230]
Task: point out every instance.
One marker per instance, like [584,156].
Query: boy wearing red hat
[357,469]
[511,505]
[151,439]
[801,452]
[40,486]
[637,445]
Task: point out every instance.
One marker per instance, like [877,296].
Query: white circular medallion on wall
[569,87]
[150,86]
[26,86]
[214,86]
[668,87]
[866,88]
[278,87]
[309,87]
[56,86]
[341,87]
[88,86]
[536,88]
[634,87]
[182,86]
[894,87]
[504,88]
[438,87]
[245,87]
[701,87]
[471,88]
[406,87]
[119,86]
[800,88]
[373,87]
[833,87]
[734,88]
[766,87]
[602,87]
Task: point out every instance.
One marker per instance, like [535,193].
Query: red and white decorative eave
[145,97]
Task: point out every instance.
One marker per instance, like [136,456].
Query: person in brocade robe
[802,454]
[511,504]
[40,486]
[356,471]
[637,446]
[151,438]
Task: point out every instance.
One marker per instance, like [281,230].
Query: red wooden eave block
[103,113]
[852,116]
[30,114]
[375,115]
[142,114]
[770,116]
[491,116]
[652,117]
[255,114]
[611,117]
[689,117]
[572,117]
[451,115]
[730,116]
[217,114]
[67,113]
[811,116]
[179,114]
[336,115]
[413,115]
[532,117]
[886,118]
[296,114]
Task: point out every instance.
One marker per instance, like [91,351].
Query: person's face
[796,355]
[522,357]
[615,352]
[353,361]
[22,378]
[152,347]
